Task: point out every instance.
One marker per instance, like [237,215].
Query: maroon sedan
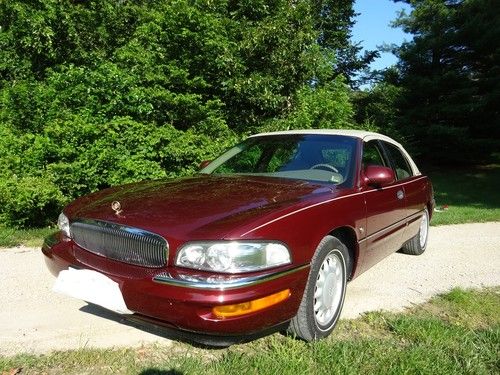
[264,238]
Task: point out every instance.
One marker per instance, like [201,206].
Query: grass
[472,195]
[10,237]
[455,333]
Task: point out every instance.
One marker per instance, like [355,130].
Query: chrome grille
[125,244]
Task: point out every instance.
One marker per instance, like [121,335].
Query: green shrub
[29,201]
[323,107]
[74,157]
[100,93]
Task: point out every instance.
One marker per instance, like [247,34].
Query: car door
[413,186]
[385,209]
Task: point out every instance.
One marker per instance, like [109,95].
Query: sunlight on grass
[10,237]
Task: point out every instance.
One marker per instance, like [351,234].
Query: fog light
[227,311]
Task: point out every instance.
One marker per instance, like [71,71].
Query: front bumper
[184,300]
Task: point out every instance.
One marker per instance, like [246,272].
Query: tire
[321,304]
[417,244]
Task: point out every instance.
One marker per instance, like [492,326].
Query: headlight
[232,256]
[63,224]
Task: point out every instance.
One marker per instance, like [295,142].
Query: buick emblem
[117,207]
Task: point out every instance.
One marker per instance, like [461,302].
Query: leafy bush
[32,201]
[316,108]
[99,93]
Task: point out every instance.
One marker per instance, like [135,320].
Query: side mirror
[204,163]
[379,176]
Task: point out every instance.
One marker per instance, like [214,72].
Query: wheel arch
[347,236]
[430,209]
[431,203]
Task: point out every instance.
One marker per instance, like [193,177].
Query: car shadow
[198,341]
[156,330]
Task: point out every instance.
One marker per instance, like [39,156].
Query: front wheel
[324,294]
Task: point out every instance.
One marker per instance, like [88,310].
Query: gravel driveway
[33,319]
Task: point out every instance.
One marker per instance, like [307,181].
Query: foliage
[455,333]
[28,200]
[377,107]
[449,79]
[316,108]
[334,20]
[99,93]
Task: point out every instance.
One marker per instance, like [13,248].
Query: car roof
[361,134]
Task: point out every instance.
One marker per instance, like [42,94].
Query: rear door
[413,186]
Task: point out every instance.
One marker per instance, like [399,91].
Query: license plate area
[91,286]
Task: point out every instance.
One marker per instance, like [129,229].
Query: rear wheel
[418,244]
[324,293]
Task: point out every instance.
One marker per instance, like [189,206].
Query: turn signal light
[238,309]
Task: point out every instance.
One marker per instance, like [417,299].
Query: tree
[378,107]
[450,79]
[334,19]
[97,93]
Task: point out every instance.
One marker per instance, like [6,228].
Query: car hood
[200,207]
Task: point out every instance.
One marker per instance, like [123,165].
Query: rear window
[401,166]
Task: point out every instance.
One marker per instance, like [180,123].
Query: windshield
[323,158]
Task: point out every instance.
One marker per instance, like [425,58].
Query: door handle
[400,194]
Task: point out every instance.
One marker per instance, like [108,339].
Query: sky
[372,28]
